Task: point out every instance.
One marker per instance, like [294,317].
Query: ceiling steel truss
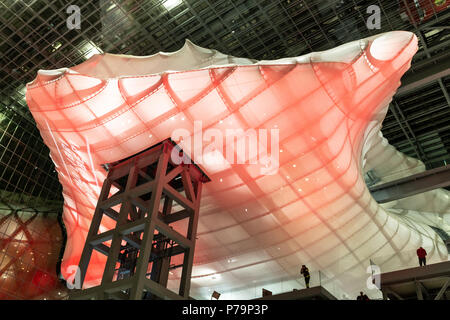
[34,35]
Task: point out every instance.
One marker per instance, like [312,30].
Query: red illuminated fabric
[29,245]
[315,210]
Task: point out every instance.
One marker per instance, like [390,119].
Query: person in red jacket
[421,253]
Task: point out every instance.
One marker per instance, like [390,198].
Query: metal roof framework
[34,35]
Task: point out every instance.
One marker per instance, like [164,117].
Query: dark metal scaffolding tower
[151,186]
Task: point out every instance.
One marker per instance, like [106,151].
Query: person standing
[421,253]
[362,296]
[305,272]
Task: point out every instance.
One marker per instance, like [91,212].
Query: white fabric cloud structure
[324,111]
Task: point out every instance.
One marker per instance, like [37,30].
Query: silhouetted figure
[305,272]
[421,253]
[362,296]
